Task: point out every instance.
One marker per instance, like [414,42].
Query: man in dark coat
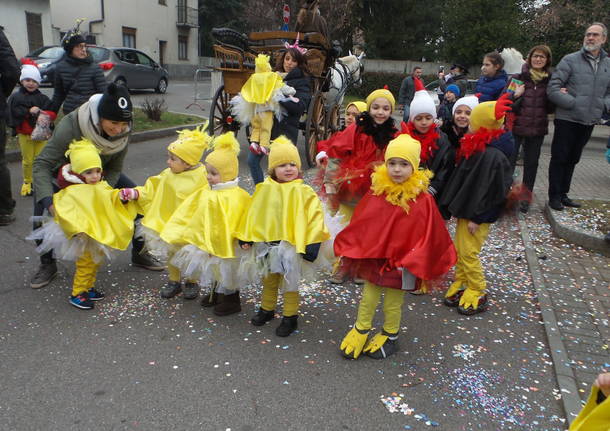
[9,75]
[77,76]
[407,92]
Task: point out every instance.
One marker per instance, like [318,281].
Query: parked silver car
[130,67]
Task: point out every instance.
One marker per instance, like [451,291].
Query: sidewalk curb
[579,237]
[15,155]
[563,372]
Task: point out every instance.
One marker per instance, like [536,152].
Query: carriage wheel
[332,121]
[314,127]
[221,120]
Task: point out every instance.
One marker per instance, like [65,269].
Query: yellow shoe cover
[455,287]
[26,189]
[470,298]
[376,343]
[353,343]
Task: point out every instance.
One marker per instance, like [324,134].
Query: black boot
[262,317]
[287,326]
[212,298]
[190,290]
[230,304]
[171,289]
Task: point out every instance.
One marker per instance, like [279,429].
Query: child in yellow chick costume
[475,194]
[595,415]
[89,221]
[204,228]
[162,194]
[258,101]
[285,222]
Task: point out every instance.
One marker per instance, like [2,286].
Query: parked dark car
[46,58]
[432,86]
[130,67]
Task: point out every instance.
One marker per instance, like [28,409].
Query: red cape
[382,237]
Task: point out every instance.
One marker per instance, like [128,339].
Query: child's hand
[245,246]
[563,90]
[321,159]
[34,110]
[127,195]
[255,148]
[472,227]
[603,383]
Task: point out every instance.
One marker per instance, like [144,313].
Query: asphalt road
[138,362]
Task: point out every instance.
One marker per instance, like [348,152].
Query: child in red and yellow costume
[475,194]
[395,236]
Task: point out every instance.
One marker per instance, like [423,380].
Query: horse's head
[354,67]
[513,60]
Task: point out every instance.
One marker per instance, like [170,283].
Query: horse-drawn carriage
[234,55]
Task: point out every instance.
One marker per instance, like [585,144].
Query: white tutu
[153,243]
[54,239]
[209,270]
[334,224]
[244,111]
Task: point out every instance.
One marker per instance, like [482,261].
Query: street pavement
[139,362]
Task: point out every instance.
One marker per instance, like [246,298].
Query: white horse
[513,60]
[345,72]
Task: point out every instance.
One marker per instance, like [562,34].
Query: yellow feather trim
[400,194]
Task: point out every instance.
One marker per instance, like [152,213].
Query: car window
[52,52]
[129,57]
[145,59]
[98,54]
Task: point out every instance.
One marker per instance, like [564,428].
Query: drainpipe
[98,20]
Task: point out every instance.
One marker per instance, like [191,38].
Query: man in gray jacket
[580,89]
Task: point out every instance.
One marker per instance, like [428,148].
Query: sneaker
[387,349]
[287,326]
[262,317]
[147,261]
[82,301]
[46,272]
[94,295]
[171,289]
[483,303]
[6,219]
[337,279]
[190,290]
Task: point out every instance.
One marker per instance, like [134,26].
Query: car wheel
[120,81]
[162,87]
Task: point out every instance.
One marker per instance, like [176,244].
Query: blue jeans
[254,163]
[405,114]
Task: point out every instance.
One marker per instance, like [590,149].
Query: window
[144,59]
[183,47]
[33,23]
[129,37]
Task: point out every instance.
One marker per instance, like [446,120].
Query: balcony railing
[187,16]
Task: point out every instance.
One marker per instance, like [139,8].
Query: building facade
[166,30]
[27,24]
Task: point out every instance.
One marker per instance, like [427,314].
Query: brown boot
[229,304]
[212,298]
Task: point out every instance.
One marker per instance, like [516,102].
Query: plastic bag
[42,131]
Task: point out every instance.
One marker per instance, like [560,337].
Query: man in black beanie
[105,119]
[77,76]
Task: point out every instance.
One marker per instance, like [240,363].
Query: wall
[12,18]
[399,66]
[154,22]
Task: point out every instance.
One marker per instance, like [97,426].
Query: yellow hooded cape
[284,212]
[208,219]
[593,416]
[163,193]
[263,83]
[97,211]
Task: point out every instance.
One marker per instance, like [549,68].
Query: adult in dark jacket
[531,109]
[9,75]
[580,90]
[105,119]
[493,78]
[457,76]
[407,92]
[77,76]
[292,66]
